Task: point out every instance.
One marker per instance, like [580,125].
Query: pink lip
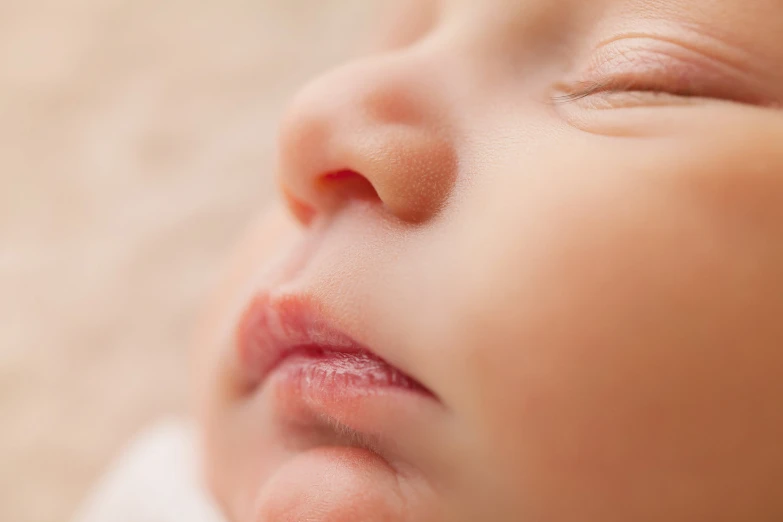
[275,332]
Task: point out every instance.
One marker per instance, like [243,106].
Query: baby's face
[560,226]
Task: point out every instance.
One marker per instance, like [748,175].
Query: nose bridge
[384,119]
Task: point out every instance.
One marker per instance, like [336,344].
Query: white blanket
[156,479]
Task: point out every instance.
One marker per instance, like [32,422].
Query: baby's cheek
[731,164]
[621,347]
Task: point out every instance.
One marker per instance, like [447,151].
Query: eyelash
[579,91]
[582,90]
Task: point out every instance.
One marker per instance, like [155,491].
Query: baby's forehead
[723,17]
[746,32]
[716,17]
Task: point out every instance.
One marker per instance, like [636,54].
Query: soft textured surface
[156,479]
[136,138]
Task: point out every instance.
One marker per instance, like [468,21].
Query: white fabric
[156,479]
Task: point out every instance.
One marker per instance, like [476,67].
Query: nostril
[346,185]
[334,190]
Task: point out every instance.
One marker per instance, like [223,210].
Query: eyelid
[649,64]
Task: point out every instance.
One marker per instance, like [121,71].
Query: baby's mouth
[322,397]
[308,369]
[288,336]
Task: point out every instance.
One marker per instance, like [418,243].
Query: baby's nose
[376,130]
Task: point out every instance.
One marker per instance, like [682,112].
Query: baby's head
[535,274]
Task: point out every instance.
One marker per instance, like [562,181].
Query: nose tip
[372,131]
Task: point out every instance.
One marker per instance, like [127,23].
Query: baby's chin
[338,484]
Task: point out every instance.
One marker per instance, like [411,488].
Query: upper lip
[271,329]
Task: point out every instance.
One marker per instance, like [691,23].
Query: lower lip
[322,370]
[313,389]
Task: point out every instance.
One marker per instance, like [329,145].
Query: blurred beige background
[136,138]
